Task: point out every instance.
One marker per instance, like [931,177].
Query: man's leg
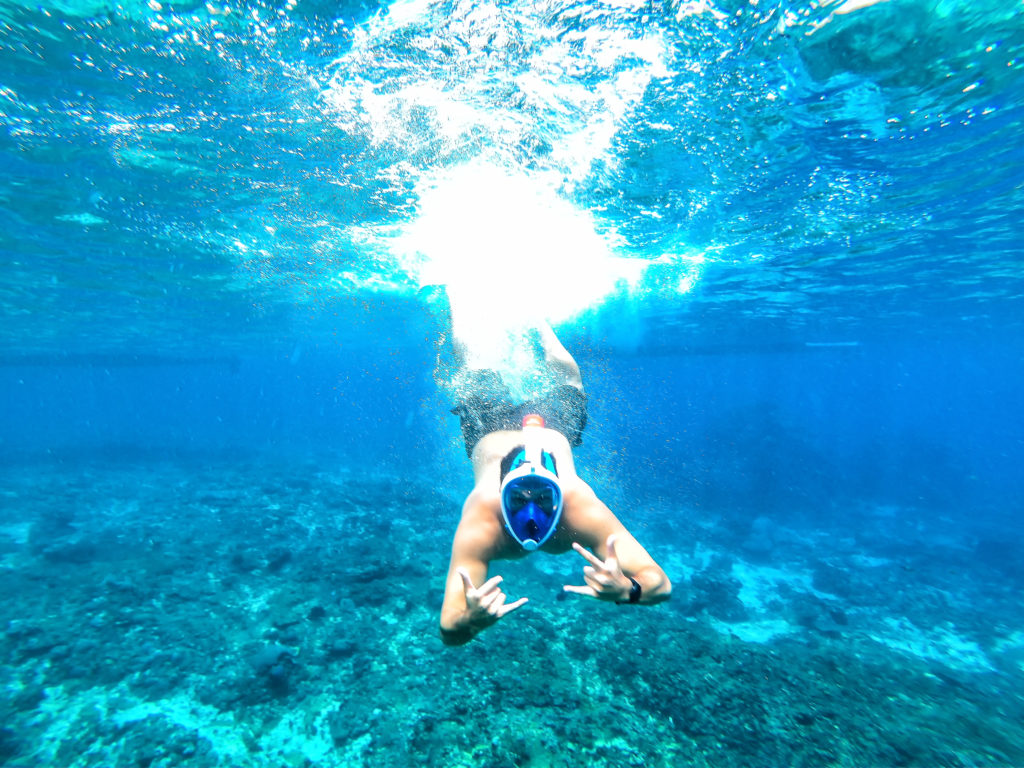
[558,358]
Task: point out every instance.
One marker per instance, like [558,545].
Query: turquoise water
[782,241]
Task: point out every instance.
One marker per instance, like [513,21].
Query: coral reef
[254,615]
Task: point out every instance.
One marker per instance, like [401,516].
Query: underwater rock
[340,648]
[77,552]
[288,637]
[270,655]
[222,497]
[275,664]
[815,614]
[1002,555]
[345,726]
[761,539]
[718,595]
[9,745]
[54,537]
[244,560]
[8,545]
[26,700]
[156,741]
[835,581]
[120,584]
[278,558]
[301,484]
[277,675]
[54,521]
[30,640]
[19,628]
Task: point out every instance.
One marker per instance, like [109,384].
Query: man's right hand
[485,604]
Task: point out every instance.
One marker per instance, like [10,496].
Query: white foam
[507,241]
[510,249]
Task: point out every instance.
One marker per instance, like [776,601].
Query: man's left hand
[604,578]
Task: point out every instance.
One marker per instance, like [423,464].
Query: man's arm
[607,579]
[468,609]
[618,559]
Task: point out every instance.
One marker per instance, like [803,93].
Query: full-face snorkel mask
[531,496]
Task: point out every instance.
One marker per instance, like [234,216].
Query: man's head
[531,496]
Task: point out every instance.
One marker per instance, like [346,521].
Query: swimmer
[528,498]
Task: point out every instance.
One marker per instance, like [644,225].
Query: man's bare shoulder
[588,519]
[481,533]
[583,504]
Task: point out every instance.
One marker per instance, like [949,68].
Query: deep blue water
[783,241]
[929,424]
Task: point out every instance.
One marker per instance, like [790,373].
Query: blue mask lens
[531,506]
[543,496]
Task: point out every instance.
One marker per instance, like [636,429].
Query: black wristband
[634,593]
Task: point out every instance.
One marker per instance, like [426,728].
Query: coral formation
[218,616]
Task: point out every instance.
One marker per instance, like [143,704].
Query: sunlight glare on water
[511,250]
[786,161]
[491,147]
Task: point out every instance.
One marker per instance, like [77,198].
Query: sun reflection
[508,247]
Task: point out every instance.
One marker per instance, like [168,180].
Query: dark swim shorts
[490,408]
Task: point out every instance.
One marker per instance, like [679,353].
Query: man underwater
[527,497]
